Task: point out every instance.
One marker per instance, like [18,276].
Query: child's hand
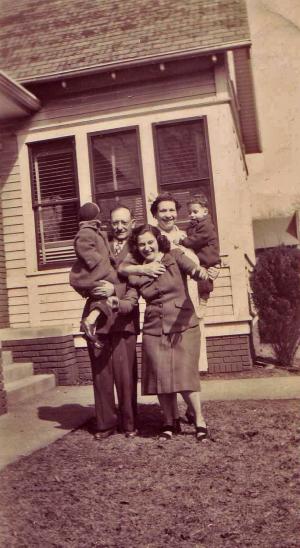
[213,272]
[113,303]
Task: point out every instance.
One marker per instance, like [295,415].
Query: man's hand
[104,289]
[213,272]
[113,303]
[154,270]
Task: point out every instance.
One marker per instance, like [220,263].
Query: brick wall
[48,355]
[84,365]
[228,354]
[224,354]
[72,365]
[3,401]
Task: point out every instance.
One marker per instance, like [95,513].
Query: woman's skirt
[170,362]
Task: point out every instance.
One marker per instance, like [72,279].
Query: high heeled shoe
[166,433]
[201,433]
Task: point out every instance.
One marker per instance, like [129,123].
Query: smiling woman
[171,336]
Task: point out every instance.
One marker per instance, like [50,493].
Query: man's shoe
[104,434]
[131,434]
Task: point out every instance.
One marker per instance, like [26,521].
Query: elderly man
[115,363]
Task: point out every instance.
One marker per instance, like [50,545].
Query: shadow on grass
[68,416]
[149,421]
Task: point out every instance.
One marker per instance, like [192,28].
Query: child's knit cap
[89,212]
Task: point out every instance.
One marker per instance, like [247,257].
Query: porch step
[16,371]
[6,357]
[22,389]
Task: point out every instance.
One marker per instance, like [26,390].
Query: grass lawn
[241,489]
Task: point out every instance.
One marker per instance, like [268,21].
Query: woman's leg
[166,403]
[193,401]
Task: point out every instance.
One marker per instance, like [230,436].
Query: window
[117,173]
[182,162]
[55,200]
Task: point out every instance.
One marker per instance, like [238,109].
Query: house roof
[39,38]
[15,100]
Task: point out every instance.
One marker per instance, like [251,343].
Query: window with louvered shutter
[117,172]
[55,200]
[182,162]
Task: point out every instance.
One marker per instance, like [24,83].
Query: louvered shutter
[55,200]
[117,172]
[182,162]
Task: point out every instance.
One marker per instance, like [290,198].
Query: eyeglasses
[115,224]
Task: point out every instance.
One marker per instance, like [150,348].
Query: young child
[202,239]
[91,267]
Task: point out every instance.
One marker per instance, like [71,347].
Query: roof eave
[172,55]
[17,95]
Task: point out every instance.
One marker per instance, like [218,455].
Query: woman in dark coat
[171,336]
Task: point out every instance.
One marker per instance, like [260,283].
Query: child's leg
[95,309]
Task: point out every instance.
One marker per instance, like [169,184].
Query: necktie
[118,246]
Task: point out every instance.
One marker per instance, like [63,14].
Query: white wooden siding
[59,301]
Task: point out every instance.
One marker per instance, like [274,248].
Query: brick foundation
[72,365]
[48,355]
[84,365]
[3,400]
[228,354]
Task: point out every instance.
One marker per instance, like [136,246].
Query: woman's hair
[162,241]
[164,197]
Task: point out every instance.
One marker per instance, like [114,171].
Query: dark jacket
[127,320]
[93,258]
[202,239]
[169,308]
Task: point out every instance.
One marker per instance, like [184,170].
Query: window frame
[125,193]
[209,179]
[64,263]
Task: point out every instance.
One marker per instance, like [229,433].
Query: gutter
[148,59]
[18,94]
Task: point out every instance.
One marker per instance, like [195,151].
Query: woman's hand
[113,303]
[202,273]
[213,272]
[154,270]
[104,289]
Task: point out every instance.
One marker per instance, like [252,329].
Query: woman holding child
[165,209]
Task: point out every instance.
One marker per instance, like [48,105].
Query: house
[109,101]
[274,175]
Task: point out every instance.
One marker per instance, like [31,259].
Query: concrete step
[22,389]
[6,357]
[15,371]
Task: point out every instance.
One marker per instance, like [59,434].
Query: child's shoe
[89,329]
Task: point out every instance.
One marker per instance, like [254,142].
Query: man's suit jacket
[127,320]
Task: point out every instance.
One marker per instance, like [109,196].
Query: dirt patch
[241,489]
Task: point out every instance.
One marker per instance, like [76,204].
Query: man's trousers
[115,366]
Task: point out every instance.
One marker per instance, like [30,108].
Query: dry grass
[242,489]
